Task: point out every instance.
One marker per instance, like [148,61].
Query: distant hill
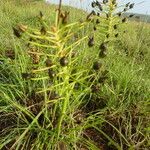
[139,17]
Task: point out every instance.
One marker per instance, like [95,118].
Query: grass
[51,95]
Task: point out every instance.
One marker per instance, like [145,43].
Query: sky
[141,7]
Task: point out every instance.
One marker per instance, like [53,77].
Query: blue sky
[142,6]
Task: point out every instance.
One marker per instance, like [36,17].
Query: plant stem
[65,102]
[111,9]
[59,10]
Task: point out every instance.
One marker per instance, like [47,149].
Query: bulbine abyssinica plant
[54,81]
[106,19]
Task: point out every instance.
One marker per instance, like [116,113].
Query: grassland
[47,102]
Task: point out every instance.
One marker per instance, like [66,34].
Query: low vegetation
[71,81]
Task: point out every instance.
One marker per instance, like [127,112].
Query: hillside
[139,17]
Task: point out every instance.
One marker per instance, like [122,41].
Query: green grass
[75,108]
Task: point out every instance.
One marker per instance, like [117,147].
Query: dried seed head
[115,26]
[116,35]
[95,88]
[105,1]
[124,20]
[116,5]
[93,4]
[103,54]
[107,15]
[93,12]
[26,75]
[103,46]
[107,36]
[127,5]
[97,21]
[91,41]
[51,73]
[48,62]
[100,7]
[43,30]
[103,50]
[16,32]
[97,65]
[10,54]
[79,118]
[94,28]
[97,3]
[119,14]
[98,14]
[65,18]
[63,61]
[35,59]
[131,5]
[125,9]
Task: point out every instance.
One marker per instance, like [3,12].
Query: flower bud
[26,76]
[103,47]
[93,4]
[124,20]
[48,63]
[95,88]
[51,73]
[94,28]
[127,5]
[63,61]
[97,21]
[16,32]
[43,30]
[115,26]
[97,65]
[131,5]
[103,53]
[91,41]
[119,14]
[116,35]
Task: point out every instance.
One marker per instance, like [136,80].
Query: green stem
[65,103]
[59,11]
